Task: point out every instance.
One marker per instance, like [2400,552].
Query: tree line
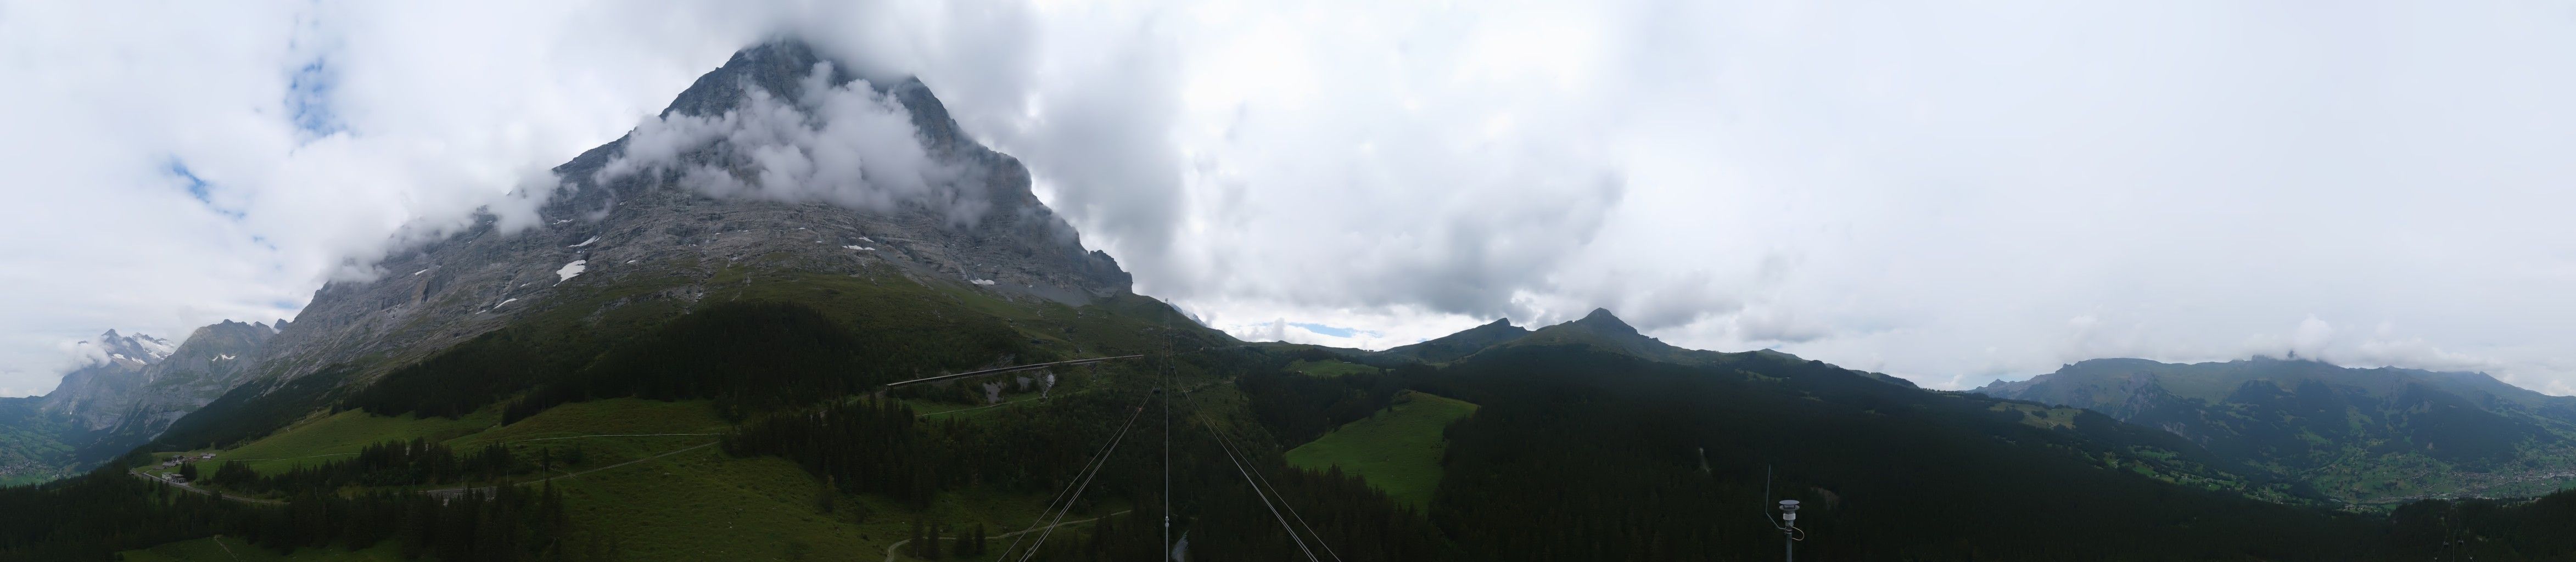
[1583,454]
[385,464]
[748,356]
[2484,529]
[95,515]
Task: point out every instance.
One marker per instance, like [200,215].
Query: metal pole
[1166,389]
[1789,528]
[1167,455]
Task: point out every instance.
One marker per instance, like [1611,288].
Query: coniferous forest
[1577,453]
[95,515]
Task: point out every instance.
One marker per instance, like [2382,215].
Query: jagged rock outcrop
[212,360]
[93,395]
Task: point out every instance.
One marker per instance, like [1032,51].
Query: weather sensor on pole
[1789,527]
[1788,521]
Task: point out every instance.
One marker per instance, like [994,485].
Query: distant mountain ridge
[137,387]
[1453,346]
[1598,329]
[2365,435]
[89,394]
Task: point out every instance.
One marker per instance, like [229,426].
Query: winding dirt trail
[202,491]
[453,492]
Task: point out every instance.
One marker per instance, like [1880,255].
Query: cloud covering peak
[1949,195]
[844,142]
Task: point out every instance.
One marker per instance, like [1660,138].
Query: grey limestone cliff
[977,226]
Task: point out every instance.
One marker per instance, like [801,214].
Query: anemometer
[1787,523]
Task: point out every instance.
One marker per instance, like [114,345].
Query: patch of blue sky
[1334,331]
[198,188]
[308,99]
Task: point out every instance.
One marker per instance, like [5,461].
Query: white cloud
[173,164]
[1932,191]
[844,144]
[2311,338]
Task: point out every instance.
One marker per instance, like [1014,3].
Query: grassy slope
[699,504]
[324,438]
[630,419]
[1397,449]
[345,433]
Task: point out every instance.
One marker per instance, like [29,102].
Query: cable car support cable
[997,370]
[1283,500]
[1073,489]
[1257,492]
[1085,484]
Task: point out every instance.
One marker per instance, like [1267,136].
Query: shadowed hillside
[2378,436]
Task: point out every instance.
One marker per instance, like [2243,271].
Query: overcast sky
[1950,193]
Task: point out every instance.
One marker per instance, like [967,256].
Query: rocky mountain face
[2363,435]
[779,160]
[779,167]
[212,360]
[94,395]
[137,385]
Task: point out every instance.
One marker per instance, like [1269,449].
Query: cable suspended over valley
[1283,500]
[998,370]
[1239,466]
[1073,489]
[1052,516]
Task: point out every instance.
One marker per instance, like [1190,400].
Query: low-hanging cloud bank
[1943,193]
[847,144]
